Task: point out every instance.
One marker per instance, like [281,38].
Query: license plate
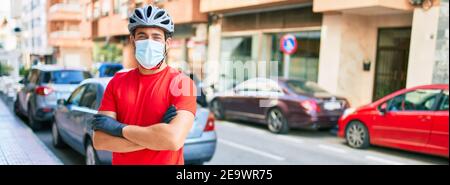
[332,105]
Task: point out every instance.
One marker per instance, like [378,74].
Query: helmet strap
[162,61]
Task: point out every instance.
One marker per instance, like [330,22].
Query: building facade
[362,50]
[35,46]
[64,34]
[106,23]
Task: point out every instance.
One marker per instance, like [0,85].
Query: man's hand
[170,114]
[112,127]
[108,125]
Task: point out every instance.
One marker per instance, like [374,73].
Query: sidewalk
[19,145]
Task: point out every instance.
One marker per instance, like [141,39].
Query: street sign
[288,44]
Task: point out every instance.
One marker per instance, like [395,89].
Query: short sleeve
[183,93]
[108,102]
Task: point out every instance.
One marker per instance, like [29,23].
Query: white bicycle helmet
[151,16]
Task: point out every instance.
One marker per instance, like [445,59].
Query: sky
[4,9]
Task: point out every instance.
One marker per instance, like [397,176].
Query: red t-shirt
[142,100]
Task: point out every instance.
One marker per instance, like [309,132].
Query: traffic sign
[288,44]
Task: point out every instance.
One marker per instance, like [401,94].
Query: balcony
[64,12]
[239,5]
[190,14]
[65,35]
[67,39]
[113,25]
[88,29]
[366,7]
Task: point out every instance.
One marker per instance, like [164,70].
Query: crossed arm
[160,136]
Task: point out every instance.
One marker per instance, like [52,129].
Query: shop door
[392,61]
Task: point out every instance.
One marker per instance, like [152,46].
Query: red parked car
[414,119]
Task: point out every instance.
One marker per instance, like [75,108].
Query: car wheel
[16,107]
[33,123]
[357,135]
[91,154]
[57,140]
[217,109]
[276,122]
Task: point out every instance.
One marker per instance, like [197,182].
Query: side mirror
[61,102]
[383,109]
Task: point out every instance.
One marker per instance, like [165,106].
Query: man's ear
[168,43]
[132,39]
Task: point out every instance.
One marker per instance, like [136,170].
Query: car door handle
[425,118]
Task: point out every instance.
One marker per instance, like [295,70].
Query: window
[88,11]
[75,98]
[120,7]
[267,85]
[236,53]
[89,97]
[418,100]
[65,77]
[236,49]
[304,63]
[96,9]
[444,102]
[259,85]
[106,6]
[304,87]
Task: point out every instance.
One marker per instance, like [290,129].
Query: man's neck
[144,71]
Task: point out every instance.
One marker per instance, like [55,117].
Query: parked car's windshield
[304,87]
[65,77]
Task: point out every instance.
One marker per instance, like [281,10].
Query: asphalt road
[249,143]
[252,144]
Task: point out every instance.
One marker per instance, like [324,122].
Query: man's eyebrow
[140,33]
[156,34]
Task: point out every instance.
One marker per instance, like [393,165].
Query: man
[129,119]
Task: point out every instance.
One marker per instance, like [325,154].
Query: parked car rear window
[65,77]
[304,87]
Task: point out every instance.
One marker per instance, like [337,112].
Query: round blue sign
[288,44]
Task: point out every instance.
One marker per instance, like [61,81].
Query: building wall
[440,72]
[423,45]
[34,24]
[75,57]
[348,40]
[239,5]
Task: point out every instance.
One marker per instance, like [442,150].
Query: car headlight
[347,112]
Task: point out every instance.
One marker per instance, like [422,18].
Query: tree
[5,69]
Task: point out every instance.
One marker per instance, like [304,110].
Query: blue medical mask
[149,53]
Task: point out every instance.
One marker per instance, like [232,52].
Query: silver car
[72,126]
[42,88]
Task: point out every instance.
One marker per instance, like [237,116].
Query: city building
[106,23]
[69,48]
[35,46]
[361,50]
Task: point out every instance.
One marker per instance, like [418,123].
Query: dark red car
[414,119]
[281,104]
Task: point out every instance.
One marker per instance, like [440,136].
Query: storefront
[254,38]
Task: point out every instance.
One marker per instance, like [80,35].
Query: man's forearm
[162,136]
[103,141]
[156,137]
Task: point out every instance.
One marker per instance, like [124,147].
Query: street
[252,144]
[243,143]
